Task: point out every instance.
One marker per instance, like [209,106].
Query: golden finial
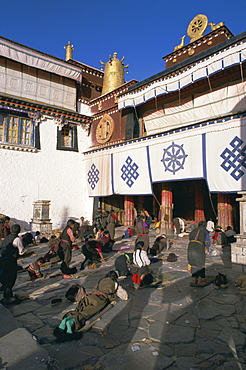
[113,73]
[69,50]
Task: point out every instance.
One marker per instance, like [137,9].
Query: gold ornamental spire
[69,50]
[113,73]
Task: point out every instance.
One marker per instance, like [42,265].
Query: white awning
[36,59]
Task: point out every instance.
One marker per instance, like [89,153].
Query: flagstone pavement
[174,326]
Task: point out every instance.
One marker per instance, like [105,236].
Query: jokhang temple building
[82,138]
[174,143]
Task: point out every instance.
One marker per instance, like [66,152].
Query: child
[141,263]
[34,269]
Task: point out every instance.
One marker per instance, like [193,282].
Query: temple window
[67,138]
[16,130]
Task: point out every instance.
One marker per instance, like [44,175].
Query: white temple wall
[49,174]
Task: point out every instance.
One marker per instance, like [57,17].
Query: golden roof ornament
[197,27]
[181,44]
[113,73]
[69,50]
[215,26]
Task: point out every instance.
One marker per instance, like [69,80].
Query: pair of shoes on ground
[220,281]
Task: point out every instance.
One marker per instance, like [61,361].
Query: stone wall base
[238,255]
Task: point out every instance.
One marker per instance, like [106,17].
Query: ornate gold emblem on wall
[105,129]
[197,27]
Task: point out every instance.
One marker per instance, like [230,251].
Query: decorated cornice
[203,40]
[113,94]
[120,143]
[106,111]
[87,69]
[228,54]
[187,64]
[37,111]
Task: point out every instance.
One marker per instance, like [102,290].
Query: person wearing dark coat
[121,263]
[111,220]
[65,248]
[199,241]
[230,234]
[161,242]
[106,290]
[142,231]
[107,242]
[11,248]
[92,250]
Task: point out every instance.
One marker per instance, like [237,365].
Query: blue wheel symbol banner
[174,158]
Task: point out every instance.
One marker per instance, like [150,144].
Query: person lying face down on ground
[106,291]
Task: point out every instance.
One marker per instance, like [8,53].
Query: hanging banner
[177,159]
[226,157]
[131,172]
[98,174]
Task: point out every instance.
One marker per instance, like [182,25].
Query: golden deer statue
[181,44]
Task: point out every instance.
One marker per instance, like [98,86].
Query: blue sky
[142,31]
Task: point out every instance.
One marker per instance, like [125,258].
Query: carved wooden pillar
[129,210]
[166,208]
[199,205]
[224,210]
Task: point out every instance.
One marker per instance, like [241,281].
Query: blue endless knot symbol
[93,177]
[234,158]
[129,172]
[174,158]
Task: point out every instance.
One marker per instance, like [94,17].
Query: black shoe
[217,282]
[220,281]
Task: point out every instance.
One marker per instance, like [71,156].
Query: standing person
[230,234]
[199,241]
[148,218]
[65,248]
[142,231]
[210,225]
[11,248]
[104,219]
[111,220]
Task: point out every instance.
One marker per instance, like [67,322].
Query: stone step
[18,348]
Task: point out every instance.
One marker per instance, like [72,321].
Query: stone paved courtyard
[174,326]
